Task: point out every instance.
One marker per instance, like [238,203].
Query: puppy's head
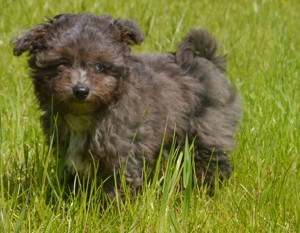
[78,62]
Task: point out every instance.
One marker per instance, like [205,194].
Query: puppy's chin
[78,108]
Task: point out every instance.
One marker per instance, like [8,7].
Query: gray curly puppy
[108,108]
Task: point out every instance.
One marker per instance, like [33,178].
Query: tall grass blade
[187,179]
[22,216]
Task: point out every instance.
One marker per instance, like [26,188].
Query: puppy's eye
[99,67]
[64,62]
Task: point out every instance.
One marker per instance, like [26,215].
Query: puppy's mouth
[80,108]
[80,102]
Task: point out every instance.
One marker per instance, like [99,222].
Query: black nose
[81,91]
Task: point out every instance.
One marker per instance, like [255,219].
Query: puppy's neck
[78,123]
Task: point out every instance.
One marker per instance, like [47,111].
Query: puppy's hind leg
[212,168]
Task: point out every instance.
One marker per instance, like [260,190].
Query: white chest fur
[79,130]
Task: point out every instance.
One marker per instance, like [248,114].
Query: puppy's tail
[199,43]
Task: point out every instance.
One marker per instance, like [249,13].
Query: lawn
[262,41]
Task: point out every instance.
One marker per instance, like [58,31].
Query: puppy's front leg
[134,171]
[125,170]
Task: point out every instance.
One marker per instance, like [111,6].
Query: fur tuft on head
[33,39]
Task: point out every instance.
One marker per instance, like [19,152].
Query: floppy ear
[31,40]
[129,31]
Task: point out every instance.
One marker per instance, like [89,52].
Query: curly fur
[113,109]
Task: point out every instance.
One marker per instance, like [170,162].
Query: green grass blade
[22,216]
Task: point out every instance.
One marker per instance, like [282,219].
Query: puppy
[108,110]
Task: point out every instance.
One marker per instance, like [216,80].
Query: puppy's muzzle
[80,92]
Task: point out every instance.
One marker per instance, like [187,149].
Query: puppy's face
[78,62]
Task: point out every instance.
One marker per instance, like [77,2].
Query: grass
[262,41]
